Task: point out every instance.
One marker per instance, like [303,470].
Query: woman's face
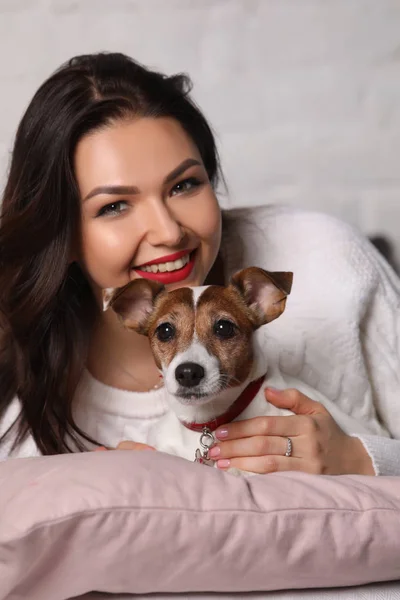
[145,197]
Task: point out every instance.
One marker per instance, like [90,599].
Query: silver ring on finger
[289,447]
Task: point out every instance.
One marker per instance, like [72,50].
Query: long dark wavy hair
[47,308]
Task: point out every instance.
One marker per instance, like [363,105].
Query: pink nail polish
[221,434]
[223,463]
[214,452]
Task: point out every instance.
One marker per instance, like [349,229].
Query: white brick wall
[303,94]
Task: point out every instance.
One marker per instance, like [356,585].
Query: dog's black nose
[189,374]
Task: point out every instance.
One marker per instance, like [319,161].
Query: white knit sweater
[340,334]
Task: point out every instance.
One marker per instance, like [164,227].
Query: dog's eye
[224,329]
[165,332]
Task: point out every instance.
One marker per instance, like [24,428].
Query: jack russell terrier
[203,344]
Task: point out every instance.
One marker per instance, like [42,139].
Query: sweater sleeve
[384,453]
[380,337]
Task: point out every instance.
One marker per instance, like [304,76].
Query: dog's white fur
[171,436]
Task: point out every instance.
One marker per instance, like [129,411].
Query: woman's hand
[319,446]
[126,445]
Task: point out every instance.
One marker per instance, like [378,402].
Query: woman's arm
[319,444]
[341,331]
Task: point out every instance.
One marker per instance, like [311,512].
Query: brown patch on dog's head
[224,327]
[253,298]
[146,307]
[173,314]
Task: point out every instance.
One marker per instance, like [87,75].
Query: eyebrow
[131,189]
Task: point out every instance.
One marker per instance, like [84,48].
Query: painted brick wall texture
[304,95]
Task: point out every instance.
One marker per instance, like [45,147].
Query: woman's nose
[163,227]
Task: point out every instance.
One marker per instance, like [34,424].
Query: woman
[115,167]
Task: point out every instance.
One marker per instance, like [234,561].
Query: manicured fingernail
[223,463]
[273,390]
[100,449]
[214,452]
[221,434]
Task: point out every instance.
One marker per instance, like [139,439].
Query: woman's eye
[185,186]
[224,329]
[165,332]
[114,208]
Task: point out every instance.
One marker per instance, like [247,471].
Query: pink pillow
[141,522]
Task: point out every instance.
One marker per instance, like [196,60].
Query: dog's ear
[264,292]
[108,295]
[133,303]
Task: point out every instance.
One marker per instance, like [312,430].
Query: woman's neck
[121,358]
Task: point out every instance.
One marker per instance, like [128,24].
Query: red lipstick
[164,259]
[169,276]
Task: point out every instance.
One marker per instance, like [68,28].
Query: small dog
[203,344]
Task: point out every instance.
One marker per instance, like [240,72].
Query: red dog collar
[240,404]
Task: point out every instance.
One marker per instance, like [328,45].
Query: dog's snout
[189,374]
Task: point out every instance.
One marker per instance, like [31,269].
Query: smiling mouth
[171,271]
[163,267]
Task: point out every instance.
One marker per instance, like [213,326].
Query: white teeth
[168,266]
[177,264]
